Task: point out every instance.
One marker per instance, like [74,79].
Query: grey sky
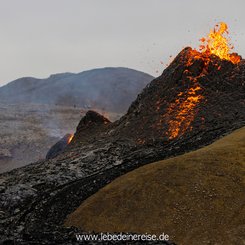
[39,38]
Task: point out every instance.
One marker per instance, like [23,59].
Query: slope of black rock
[91,124]
[190,105]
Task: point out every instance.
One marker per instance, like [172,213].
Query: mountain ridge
[108,88]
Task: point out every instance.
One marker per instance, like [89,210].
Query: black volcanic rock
[90,125]
[194,102]
[92,117]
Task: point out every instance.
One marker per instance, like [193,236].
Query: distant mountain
[109,89]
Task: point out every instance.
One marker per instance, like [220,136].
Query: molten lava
[70,139]
[184,110]
[217,43]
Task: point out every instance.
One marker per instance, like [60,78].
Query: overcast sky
[39,38]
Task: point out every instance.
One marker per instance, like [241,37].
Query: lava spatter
[218,43]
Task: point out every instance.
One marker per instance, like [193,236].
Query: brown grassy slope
[196,198]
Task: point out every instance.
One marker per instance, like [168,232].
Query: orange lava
[184,108]
[70,138]
[218,43]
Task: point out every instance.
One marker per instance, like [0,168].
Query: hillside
[107,89]
[196,198]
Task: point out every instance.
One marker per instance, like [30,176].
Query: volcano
[199,98]
[190,95]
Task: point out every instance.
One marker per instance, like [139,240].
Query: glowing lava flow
[70,139]
[184,107]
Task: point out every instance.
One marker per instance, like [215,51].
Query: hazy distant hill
[110,89]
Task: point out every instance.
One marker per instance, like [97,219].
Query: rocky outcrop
[91,125]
